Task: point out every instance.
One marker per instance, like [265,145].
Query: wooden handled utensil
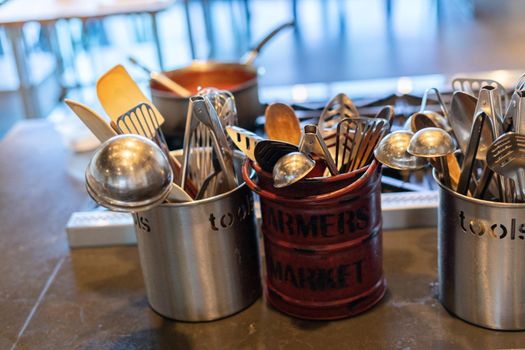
[281,123]
[118,93]
[98,126]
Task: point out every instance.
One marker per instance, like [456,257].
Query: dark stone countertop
[55,298]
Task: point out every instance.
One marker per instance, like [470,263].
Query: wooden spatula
[118,93]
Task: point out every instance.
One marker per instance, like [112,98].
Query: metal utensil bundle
[356,141]
[488,130]
[207,163]
[352,142]
[207,157]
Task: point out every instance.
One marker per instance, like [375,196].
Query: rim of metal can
[361,181]
[476,200]
[204,200]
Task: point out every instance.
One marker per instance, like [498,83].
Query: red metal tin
[323,243]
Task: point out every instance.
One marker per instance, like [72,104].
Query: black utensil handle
[470,154]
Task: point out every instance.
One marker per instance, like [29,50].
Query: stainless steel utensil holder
[200,259]
[481,260]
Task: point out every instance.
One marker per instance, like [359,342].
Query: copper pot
[239,78]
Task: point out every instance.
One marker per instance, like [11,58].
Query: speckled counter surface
[55,298]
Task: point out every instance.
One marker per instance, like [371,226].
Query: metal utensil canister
[200,259]
[481,250]
[323,252]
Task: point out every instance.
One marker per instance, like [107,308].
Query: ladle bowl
[431,142]
[129,173]
[291,168]
[392,152]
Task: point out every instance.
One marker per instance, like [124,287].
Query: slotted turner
[473,86]
[118,93]
[141,120]
[506,157]
[337,109]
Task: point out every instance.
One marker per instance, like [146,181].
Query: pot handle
[374,167]
[251,55]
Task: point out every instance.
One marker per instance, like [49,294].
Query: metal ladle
[131,173]
[440,120]
[291,168]
[294,166]
[433,143]
[392,152]
[422,121]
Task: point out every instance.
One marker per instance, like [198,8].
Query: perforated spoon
[244,140]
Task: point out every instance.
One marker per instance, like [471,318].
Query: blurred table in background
[16,13]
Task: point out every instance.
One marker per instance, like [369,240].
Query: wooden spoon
[98,126]
[162,79]
[422,121]
[282,123]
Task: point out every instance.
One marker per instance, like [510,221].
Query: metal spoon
[436,118]
[392,152]
[291,168]
[130,173]
[461,117]
[282,124]
[433,143]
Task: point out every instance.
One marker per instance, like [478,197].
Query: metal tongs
[488,114]
[204,140]
[312,142]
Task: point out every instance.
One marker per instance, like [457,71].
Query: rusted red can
[323,243]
